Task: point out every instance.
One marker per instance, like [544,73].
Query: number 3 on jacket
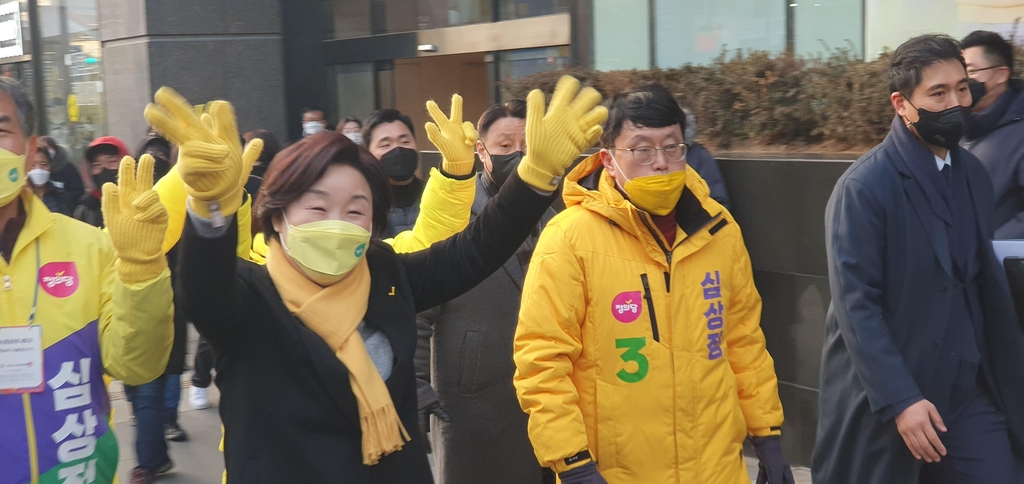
[632,353]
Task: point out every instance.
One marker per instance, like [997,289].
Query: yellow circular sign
[73,108]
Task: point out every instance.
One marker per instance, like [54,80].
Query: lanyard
[35,294]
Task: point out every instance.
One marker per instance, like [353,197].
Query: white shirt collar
[940,163]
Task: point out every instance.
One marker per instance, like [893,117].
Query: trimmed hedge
[762,101]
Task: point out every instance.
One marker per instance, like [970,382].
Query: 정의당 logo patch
[59,279]
[626,307]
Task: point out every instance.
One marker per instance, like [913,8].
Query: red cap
[114,141]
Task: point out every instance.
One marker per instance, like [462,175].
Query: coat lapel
[898,142]
[934,227]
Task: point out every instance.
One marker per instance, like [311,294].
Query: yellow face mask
[12,176]
[327,250]
[657,194]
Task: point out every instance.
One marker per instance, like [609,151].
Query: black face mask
[943,128]
[978,91]
[502,166]
[401,163]
[105,176]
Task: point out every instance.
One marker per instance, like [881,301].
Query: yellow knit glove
[554,140]
[456,140]
[210,157]
[136,221]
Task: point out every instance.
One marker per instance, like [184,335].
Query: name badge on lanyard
[21,352]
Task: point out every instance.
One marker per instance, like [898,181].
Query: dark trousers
[204,363]
[152,410]
[977,445]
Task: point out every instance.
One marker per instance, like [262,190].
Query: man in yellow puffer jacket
[76,304]
[639,352]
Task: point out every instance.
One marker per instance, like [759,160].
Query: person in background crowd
[55,199]
[639,353]
[160,149]
[923,356]
[270,149]
[995,127]
[91,304]
[155,404]
[389,135]
[323,202]
[102,159]
[699,158]
[63,174]
[353,128]
[480,435]
[314,120]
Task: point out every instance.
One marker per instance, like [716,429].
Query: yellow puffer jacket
[92,324]
[650,357]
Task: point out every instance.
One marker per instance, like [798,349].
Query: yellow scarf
[334,312]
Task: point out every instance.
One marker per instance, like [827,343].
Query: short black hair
[909,61]
[314,108]
[515,108]
[384,116]
[350,119]
[997,50]
[651,106]
[271,146]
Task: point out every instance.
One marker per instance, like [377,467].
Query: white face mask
[356,138]
[312,127]
[39,176]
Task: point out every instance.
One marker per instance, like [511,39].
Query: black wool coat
[286,402]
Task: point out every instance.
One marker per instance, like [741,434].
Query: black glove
[772,466]
[584,474]
[437,410]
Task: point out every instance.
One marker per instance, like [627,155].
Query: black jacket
[892,279]
[286,401]
[176,361]
[699,158]
[997,139]
[65,175]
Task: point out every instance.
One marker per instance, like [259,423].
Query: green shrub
[761,101]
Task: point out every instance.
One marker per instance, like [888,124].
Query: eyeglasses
[971,72]
[645,155]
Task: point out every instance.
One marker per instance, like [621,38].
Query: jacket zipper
[650,307]
[668,253]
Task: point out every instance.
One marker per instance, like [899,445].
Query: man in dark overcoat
[922,375]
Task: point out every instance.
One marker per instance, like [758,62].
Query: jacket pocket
[470,362]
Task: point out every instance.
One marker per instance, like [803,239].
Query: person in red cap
[102,160]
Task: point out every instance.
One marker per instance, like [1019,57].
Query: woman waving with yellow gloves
[316,376]
[444,208]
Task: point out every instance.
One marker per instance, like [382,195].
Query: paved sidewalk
[197,461]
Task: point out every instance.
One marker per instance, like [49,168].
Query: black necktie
[947,174]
